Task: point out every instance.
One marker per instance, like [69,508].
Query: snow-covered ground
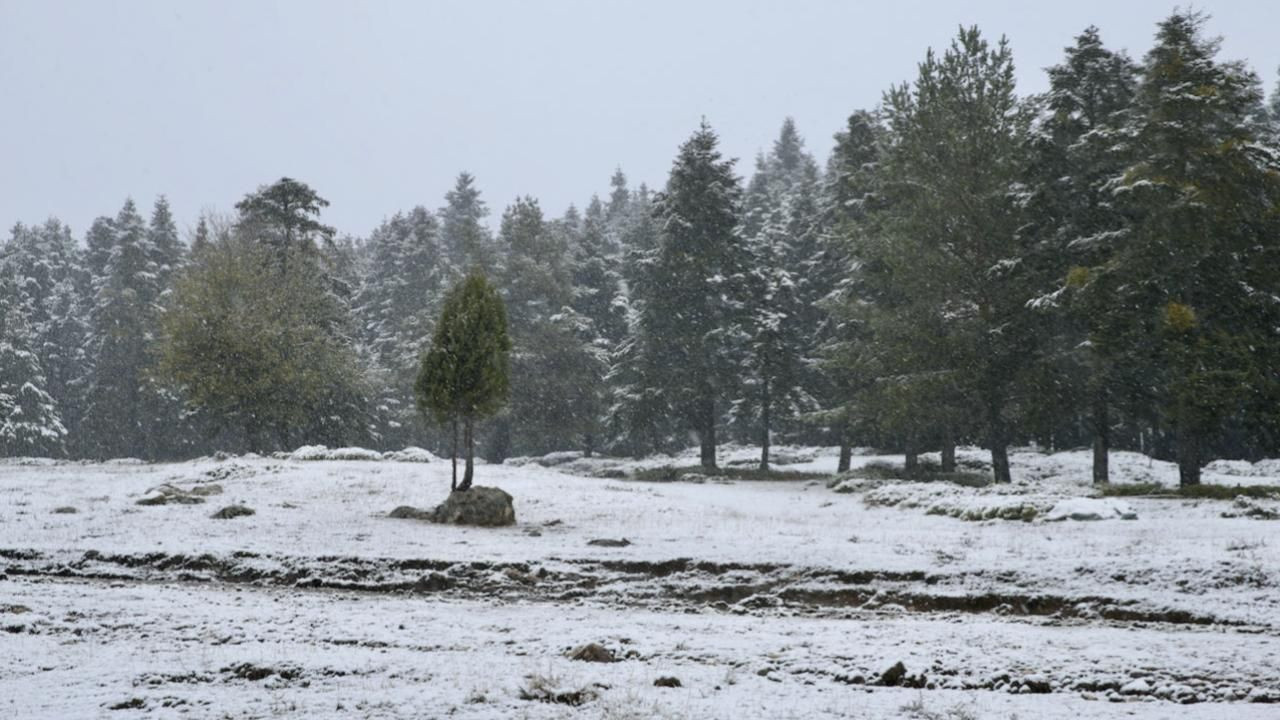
[765,598]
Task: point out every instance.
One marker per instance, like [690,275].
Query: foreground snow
[794,598]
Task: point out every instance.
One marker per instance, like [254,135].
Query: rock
[1244,506]
[205,490]
[65,510]
[668,682]
[1037,684]
[1136,687]
[593,652]
[517,575]
[433,582]
[894,675]
[483,506]
[167,494]
[405,512]
[232,511]
[609,542]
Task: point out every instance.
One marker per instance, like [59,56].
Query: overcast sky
[378,105]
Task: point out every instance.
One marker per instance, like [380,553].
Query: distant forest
[1098,265]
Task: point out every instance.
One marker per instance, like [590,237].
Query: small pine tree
[465,375]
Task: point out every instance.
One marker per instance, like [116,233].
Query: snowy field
[770,599]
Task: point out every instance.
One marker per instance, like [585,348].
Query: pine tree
[638,417]
[200,239]
[691,295]
[168,249]
[850,194]
[597,279]
[599,304]
[52,283]
[1076,151]
[619,197]
[29,420]
[398,301]
[950,176]
[779,323]
[99,241]
[466,240]
[465,376]
[555,406]
[122,405]
[285,217]
[1196,282]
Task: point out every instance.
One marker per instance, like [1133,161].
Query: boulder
[484,506]
[894,676]
[593,652]
[668,682]
[168,494]
[232,511]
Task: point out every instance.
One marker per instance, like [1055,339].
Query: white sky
[378,105]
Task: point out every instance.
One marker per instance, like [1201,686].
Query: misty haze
[632,360]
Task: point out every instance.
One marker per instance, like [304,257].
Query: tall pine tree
[692,291]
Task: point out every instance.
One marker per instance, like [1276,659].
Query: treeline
[1098,265]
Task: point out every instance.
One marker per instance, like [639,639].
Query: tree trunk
[454,485]
[1101,440]
[469,440]
[948,449]
[707,434]
[1000,462]
[998,442]
[589,443]
[1188,458]
[846,454]
[764,421]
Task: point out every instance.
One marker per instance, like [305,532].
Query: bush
[923,473]
[669,473]
[1205,492]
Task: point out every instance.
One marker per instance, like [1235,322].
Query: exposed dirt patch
[679,583]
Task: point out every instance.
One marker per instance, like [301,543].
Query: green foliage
[1197,279]
[1199,492]
[670,473]
[285,215]
[690,291]
[922,473]
[938,295]
[260,348]
[465,374]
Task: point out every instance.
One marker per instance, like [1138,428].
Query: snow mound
[1244,468]
[549,460]
[1091,509]
[410,454]
[24,461]
[320,452]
